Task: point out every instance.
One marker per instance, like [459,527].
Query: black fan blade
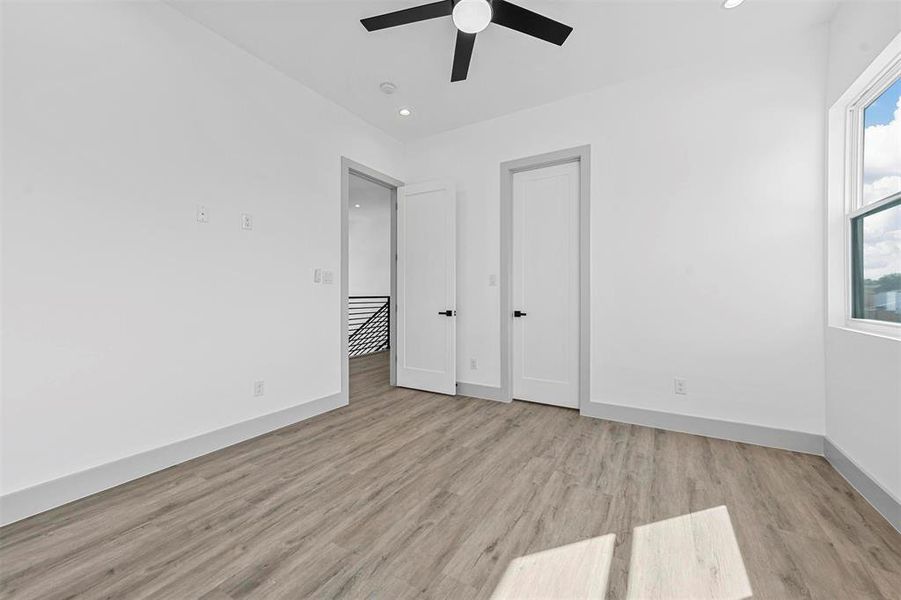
[443,8]
[462,55]
[528,22]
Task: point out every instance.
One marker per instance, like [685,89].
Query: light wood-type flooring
[406,494]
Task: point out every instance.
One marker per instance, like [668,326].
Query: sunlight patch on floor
[693,556]
[690,556]
[578,570]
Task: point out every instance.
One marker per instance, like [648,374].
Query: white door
[546,285]
[426,287]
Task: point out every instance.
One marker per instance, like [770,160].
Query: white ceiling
[323,45]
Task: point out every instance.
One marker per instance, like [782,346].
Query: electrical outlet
[317,275]
[473,364]
[202,215]
[680,386]
[246,221]
[492,280]
[258,388]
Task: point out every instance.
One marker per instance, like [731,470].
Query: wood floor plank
[406,494]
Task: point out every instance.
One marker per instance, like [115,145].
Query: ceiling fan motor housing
[472,16]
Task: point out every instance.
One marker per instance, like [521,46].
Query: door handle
[447,313]
[518,313]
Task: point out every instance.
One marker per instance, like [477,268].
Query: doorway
[368,278]
[545,292]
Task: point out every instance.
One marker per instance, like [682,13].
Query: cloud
[881,188]
[882,158]
[882,243]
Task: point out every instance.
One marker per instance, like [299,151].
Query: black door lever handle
[518,313]
[447,313]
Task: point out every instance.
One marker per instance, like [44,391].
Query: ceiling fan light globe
[472,16]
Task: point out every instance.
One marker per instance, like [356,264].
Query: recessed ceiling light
[404,112]
[472,16]
[732,3]
[356,206]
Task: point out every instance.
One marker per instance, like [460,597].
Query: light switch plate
[202,214]
[317,275]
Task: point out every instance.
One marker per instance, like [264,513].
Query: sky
[881,110]
[882,178]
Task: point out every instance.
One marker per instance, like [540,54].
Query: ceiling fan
[471,17]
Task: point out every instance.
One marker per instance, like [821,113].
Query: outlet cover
[680,386]
[246,221]
[258,388]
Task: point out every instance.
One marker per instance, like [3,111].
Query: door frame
[582,156]
[349,167]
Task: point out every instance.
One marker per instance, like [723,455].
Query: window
[882,145]
[863,201]
[875,215]
[876,263]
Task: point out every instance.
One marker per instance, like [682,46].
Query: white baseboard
[771,437]
[883,501]
[484,392]
[44,496]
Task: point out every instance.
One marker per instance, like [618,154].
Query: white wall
[706,233]
[126,324]
[863,403]
[369,239]
[863,384]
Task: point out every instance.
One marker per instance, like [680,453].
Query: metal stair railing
[368,324]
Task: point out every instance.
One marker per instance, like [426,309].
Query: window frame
[845,192]
[855,151]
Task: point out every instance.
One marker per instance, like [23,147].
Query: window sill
[886,331]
